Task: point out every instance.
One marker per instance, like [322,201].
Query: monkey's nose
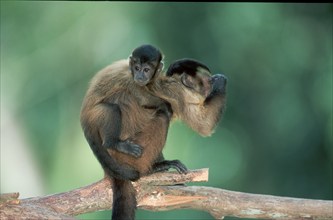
[141,80]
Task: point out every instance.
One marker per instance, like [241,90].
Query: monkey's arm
[110,129]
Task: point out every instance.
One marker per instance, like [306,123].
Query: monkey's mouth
[141,82]
[140,79]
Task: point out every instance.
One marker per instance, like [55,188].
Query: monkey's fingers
[179,166]
[219,83]
[129,148]
[168,164]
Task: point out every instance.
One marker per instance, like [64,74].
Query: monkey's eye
[146,70]
[137,68]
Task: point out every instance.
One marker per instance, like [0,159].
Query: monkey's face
[200,86]
[196,79]
[199,83]
[144,72]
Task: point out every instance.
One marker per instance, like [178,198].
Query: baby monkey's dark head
[145,64]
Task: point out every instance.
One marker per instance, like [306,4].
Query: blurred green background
[275,137]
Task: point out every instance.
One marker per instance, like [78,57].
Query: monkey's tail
[124,200]
[111,166]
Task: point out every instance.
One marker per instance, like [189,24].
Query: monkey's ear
[160,66]
[187,80]
[130,59]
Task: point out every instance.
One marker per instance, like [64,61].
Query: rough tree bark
[165,191]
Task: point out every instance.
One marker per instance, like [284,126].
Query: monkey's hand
[165,109]
[129,148]
[219,82]
[168,164]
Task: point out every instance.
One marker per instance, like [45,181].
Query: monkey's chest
[138,111]
[135,121]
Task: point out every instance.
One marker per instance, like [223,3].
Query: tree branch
[161,192]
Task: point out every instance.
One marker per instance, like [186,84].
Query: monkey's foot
[168,164]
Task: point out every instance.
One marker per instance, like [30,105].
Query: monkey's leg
[164,113]
[153,138]
[110,129]
[163,117]
[159,160]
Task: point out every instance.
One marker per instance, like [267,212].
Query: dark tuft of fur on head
[190,66]
[147,53]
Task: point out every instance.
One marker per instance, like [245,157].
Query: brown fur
[114,84]
[189,105]
[141,123]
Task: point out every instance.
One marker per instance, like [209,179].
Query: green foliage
[276,135]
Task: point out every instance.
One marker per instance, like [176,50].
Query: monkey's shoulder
[116,67]
[112,79]
[117,72]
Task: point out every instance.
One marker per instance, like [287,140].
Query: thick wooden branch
[160,192]
[220,203]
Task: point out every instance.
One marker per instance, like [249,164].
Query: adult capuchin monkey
[125,125]
[140,116]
